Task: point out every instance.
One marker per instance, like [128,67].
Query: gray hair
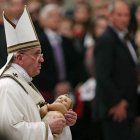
[49,8]
[112,4]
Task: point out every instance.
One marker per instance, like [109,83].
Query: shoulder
[9,88]
[108,36]
[6,81]
[106,43]
[9,84]
[108,39]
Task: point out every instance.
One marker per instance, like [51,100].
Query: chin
[38,72]
[35,74]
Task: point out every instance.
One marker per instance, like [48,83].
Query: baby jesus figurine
[57,109]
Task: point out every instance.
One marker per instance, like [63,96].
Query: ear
[19,59]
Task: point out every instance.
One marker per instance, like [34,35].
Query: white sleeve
[65,135]
[19,116]
[50,135]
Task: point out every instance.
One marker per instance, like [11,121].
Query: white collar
[121,34]
[22,72]
[51,33]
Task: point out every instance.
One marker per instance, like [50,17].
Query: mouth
[39,67]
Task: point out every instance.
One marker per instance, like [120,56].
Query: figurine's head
[65,100]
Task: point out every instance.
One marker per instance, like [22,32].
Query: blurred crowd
[68,38]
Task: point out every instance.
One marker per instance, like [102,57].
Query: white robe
[19,115]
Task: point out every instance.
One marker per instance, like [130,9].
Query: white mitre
[20,36]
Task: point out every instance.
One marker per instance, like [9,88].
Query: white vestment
[19,115]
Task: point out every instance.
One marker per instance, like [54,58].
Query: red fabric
[79,106]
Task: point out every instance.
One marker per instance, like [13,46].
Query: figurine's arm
[43,111]
[57,107]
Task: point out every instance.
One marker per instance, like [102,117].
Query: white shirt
[53,37]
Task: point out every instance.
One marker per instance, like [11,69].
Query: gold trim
[22,46]
[29,42]
[8,20]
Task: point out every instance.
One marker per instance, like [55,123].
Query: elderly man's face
[31,61]
[121,16]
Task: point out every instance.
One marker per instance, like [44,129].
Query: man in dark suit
[59,54]
[3,49]
[115,67]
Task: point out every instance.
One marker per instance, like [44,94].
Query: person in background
[20,101]
[58,2]
[100,8]
[3,51]
[70,11]
[34,8]
[115,63]
[137,33]
[66,27]
[59,53]
[136,128]
[81,24]
[16,8]
[98,27]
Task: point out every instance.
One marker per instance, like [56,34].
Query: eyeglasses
[36,55]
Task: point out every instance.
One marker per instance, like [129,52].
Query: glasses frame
[34,55]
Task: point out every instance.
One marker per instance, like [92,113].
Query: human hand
[70,117]
[119,112]
[56,124]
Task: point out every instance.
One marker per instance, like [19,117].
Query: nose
[41,59]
